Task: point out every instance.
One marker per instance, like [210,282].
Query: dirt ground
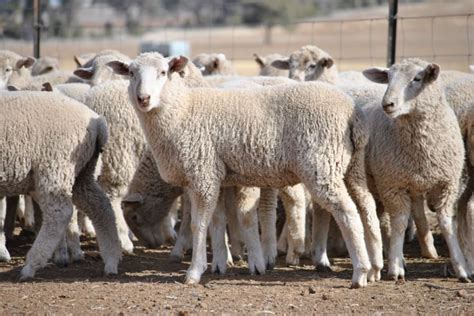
[148,283]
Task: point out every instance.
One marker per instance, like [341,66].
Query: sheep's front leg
[398,206]
[267,217]
[4,254]
[425,238]
[203,204]
[235,235]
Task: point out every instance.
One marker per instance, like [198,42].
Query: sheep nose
[388,106]
[144,100]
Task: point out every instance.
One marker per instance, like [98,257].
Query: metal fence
[354,43]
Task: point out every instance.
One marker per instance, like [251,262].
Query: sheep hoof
[77,257]
[401,280]
[356,285]
[464,280]
[270,265]
[61,263]
[26,274]
[4,256]
[429,253]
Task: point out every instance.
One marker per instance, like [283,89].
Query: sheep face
[406,81]
[11,68]
[146,217]
[148,75]
[209,64]
[307,64]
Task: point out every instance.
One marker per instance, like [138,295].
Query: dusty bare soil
[148,283]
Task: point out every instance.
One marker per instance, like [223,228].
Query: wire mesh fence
[355,43]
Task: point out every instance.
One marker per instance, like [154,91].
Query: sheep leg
[398,206]
[267,218]
[247,202]
[294,202]
[184,240]
[85,224]
[89,198]
[4,254]
[73,234]
[61,256]
[57,212]
[122,227]
[321,219]
[336,199]
[282,244]
[465,219]
[411,230]
[29,213]
[10,218]
[202,209]
[37,215]
[443,210]
[217,229]
[233,225]
[425,238]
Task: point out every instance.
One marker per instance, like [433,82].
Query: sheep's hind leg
[218,240]
[4,254]
[335,198]
[267,218]
[184,240]
[425,238]
[57,212]
[293,198]
[320,230]
[247,214]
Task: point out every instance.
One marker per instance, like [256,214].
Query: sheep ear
[119,67]
[47,87]
[133,198]
[259,60]
[83,59]
[25,62]
[177,64]
[431,73]
[281,63]
[12,88]
[46,70]
[377,75]
[84,73]
[327,62]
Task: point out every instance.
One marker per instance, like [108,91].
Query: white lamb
[54,161]
[214,64]
[415,152]
[203,138]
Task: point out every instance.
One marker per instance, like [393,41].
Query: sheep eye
[163,73]
[417,79]
[312,66]
[8,69]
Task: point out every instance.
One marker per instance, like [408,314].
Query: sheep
[4,254]
[85,60]
[415,151]
[250,151]
[76,91]
[44,65]
[97,71]
[54,161]
[266,68]
[214,64]
[13,68]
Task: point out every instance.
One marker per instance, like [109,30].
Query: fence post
[392,31]
[37,27]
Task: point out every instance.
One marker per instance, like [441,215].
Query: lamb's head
[211,64]
[12,67]
[148,74]
[97,72]
[146,216]
[406,81]
[308,64]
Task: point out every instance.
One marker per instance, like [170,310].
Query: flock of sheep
[118,147]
